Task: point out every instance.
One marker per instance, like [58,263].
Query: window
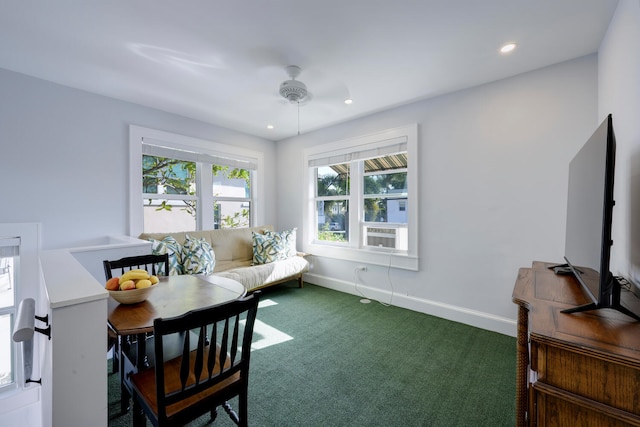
[19,279]
[169,192]
[362,199]
[385,190]
[9,251]
[188,184]
[332,202]
[232,196]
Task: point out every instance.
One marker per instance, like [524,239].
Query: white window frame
[387,225]
[355,250]
[138,134]
[27,281]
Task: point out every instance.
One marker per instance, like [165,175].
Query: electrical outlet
[362,267]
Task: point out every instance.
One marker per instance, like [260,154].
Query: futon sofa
[256,257]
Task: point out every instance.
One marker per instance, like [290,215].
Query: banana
[134,275]
[143,283]
[154,279]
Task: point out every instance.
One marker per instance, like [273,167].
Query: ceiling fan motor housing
[293,90]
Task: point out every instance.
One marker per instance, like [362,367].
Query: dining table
[172,296]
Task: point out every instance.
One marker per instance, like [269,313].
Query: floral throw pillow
[268,249]
[170,246]
[197,256]
[288,237]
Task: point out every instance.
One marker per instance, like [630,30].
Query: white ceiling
[222,61]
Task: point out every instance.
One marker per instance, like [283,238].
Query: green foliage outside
[176,176]
[331,236]
[383,184]
[238,219]
[331,184]
[179,177]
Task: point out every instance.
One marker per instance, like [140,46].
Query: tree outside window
[232,197]
[385,202]
[171,194]
[382,199]
[332,191]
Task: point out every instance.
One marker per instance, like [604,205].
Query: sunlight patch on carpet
[266,303]
[265,336]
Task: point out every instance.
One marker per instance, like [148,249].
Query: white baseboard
[454,313]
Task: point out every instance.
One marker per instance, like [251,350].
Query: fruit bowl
[132,296]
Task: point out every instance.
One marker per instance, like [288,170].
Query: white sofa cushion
[259,275]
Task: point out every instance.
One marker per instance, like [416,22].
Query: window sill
[15,398]
[387,259]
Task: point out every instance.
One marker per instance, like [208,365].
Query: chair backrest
[157,265]
[223,351]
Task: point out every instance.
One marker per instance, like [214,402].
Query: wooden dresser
[580,369]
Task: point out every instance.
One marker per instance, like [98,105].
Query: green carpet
[354,364]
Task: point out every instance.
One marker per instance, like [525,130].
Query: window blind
[360,152]
[9,247]
[156,148]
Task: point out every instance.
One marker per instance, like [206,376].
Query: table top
[172,296]
[607,332]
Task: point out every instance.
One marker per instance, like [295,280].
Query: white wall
[493,181]
[64,158]
[619,94]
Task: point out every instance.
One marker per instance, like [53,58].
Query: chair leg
[232,414]
[242,408]
[138,415]
[116,354]
[124,393]
[113,341]
[241,418]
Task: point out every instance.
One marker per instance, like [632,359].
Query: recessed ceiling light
[269,126]
[508,48]
[348,101]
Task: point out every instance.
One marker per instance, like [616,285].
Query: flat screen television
[589,221]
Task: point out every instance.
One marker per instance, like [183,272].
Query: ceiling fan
[294,90]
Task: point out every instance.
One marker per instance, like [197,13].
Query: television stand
[573,367]
[614,304]
[610,296]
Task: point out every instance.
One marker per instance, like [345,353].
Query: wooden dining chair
[157,265]
[200,380]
